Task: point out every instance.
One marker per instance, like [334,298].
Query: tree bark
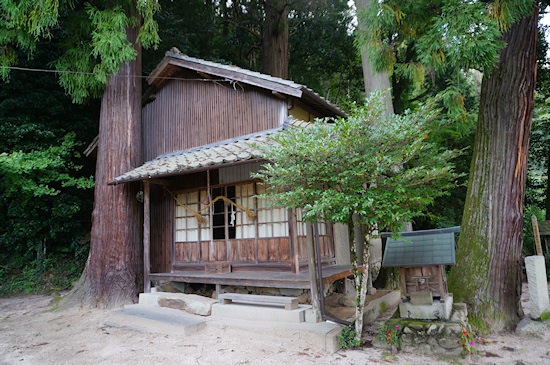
[374,80]
[275,39]
[488,272]
[111,277]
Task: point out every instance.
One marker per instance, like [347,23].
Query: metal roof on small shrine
[235,150]
[421,248]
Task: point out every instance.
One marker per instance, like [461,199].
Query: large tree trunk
[275,39]
[111,275]
[488,272]
[374,81]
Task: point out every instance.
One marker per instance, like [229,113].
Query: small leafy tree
[383,167]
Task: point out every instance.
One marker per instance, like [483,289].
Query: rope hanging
[200,219]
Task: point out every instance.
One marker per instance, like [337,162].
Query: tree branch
[237,25]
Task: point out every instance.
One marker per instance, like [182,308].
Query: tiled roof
[421,248]
[232,150]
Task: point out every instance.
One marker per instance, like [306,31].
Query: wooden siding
[162,213]
[187,114]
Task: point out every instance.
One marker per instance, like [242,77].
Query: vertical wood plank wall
[162,216]
[187,114]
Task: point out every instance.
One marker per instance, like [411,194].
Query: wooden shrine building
[198,122]
[421,257]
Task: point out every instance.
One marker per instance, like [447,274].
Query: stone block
[312,316]
[432,330]
[288,292]
[191,303]
[260,313]
[459,313]
[179,286]
[436,311]
[449,342]
[538,286]
[531,328]
[421,298]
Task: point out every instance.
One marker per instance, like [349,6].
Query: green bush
[347,338]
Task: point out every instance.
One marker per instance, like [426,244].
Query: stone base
[262,313]
[194,304]
[430,337]
[538,285]
[436,311]
[217,267]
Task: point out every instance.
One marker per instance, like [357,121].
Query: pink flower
[396,327]
[472,343]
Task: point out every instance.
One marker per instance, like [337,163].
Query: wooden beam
[160,182]
[146,237]
[536,234]
[313,278]
[294,245]
[205,75]
[237,75]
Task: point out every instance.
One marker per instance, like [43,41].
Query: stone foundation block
[538,287]
[436,311]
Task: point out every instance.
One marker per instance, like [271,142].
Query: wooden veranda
[265,279]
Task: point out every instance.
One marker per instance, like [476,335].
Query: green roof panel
[421,248]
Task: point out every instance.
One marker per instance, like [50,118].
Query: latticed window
[230,221]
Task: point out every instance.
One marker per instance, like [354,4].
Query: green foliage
[389,334]
[95,37]
[45,195]
[33,174]
[55,272]
[466,340]
[384,168]
[412,40]
[545,316]
[347,338]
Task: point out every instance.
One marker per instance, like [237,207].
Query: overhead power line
[94,74]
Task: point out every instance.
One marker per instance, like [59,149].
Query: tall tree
[488,271]
[103,43]
[375,80]
[275,38]
[464,35]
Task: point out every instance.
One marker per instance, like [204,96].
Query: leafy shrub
[347,338]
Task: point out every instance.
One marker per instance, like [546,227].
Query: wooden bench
[289,302]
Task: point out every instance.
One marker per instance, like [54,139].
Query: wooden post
[294,246]
[359,235]
[146,237]
[312,264]
[536,234]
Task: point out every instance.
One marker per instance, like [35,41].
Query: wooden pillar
[146,237]
[312,264]
[359,236]
[294,245]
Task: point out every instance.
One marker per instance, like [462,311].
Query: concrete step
[257,312]
[321,335]
[156,320]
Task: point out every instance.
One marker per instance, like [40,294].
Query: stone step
[264,313]
[192,303]
[156,320]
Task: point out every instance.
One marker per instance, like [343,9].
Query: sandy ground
[32,333]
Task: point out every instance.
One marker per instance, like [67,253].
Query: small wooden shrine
[421,257]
